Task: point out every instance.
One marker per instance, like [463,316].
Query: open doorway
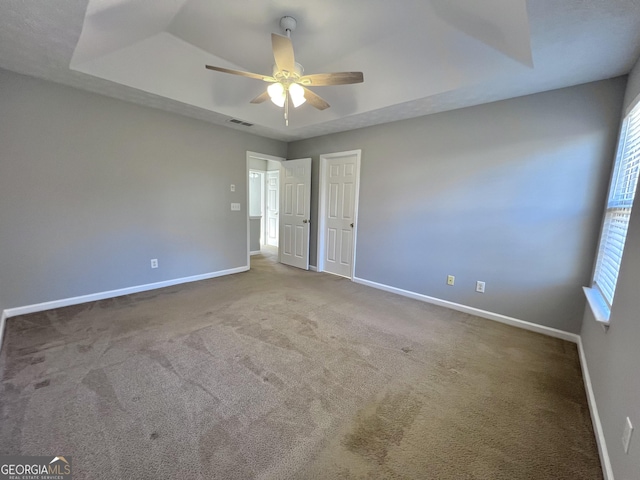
[256,210]
[263,196]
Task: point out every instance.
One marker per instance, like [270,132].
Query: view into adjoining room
[264,204]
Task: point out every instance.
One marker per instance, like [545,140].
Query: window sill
[600,310]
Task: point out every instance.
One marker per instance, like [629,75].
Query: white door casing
[295,212]
[339,192]
[272,208]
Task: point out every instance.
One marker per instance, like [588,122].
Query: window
[618,211]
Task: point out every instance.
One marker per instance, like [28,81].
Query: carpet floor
[279,373]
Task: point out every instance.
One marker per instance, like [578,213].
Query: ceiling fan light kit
[288,81]
[296,91]
[277,93]
[286,84]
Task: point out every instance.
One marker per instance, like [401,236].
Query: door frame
[258,156]
[322,210]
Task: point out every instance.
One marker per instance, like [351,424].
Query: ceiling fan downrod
[288,25]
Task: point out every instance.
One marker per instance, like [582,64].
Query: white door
[339,192]
[272,207]
[295,212]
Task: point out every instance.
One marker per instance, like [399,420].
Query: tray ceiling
[418,57]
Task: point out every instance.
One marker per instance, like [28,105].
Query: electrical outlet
[154,263]
[626,435]
[479,286]
[451,280]
[235,207]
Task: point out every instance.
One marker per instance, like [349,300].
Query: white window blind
[618,212]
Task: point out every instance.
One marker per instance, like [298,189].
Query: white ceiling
[418,56]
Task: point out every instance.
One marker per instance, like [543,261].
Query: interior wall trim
[3,320]
[605,461]
[534,327]
[66,302]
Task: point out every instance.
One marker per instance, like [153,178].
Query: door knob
[352,225]
[304,221]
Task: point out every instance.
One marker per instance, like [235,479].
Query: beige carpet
[279,373]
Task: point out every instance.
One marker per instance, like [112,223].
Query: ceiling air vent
[240,122]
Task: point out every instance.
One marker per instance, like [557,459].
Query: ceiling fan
[288,82]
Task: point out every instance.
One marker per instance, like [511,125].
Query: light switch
[235,207]
[233,187]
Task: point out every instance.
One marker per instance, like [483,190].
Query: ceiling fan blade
[261,98]
[315,100]
[265,78]
[283,53]
[340,78]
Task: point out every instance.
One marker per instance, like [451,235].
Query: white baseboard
[534,327]
[255,252]
[607,471]
[3,320]
[313,268]
[66,302]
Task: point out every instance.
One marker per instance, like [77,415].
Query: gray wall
[272,165]
[92,188]
[633,86]
[254,234]
[257,163]
[509,193]
[613,358]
